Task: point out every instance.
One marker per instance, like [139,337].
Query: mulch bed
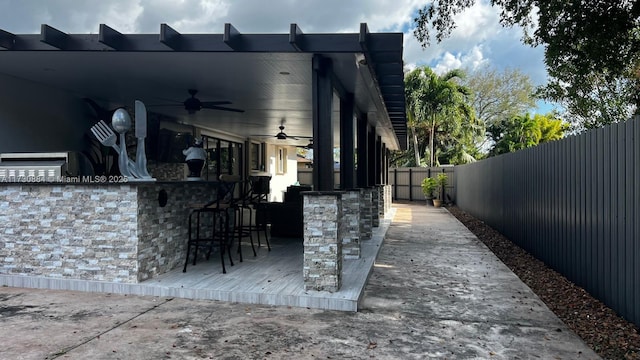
[608,334]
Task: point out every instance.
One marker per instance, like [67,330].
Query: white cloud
[471,60]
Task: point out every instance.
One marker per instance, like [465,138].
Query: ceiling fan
[309,146]
[193,104]
[281,135]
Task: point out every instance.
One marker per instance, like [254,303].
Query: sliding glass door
[223,157]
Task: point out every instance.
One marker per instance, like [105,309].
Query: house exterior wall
[280,182]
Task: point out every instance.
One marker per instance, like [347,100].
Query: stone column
[351,223]
[388,198]
[366,214]
[322,264]
[381,202]
[375,208]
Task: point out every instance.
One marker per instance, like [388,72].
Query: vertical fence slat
[592,191]
[612,215]
[550,201]
[601,169]
[608,213]
[636,230]
[568,182]
[620,260]
[580,236]
[580,209]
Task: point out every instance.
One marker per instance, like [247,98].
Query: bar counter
[107,231]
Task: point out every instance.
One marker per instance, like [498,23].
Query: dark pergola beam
[384,63]
[54,37]
[7,39]
[391,80]
[231,40]
[110,37]
[231,36]
[363,37]
[170,37]
[296,37]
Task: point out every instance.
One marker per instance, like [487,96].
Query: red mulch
[608,334]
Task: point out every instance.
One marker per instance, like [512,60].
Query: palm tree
[413,87]
[435,104]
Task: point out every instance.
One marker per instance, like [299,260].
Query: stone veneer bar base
[104,232]
[322,268]
[258,280]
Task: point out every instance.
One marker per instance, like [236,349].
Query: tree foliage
[520,132]
[497,95]
[592,101]
[587,44]
[438,111]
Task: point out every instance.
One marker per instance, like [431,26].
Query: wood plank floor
[270,278]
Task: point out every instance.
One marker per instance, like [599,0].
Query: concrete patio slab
[435,292]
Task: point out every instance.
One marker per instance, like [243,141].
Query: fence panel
[406,181]
[573,203]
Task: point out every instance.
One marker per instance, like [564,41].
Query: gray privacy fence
[406,181]
[574,204]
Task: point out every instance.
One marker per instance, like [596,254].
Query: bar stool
[219,213]
[260,189]
[242,225]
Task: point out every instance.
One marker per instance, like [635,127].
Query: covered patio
[341,91]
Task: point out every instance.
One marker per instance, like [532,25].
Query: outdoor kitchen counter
[109,231]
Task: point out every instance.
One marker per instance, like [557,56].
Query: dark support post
[322,124]
[363,151]
[347,134]
[385,165]
[371,169]
[379,160]
[395,183]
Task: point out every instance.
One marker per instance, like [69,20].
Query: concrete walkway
[435,292]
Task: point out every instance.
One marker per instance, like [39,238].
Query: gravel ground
[608,334]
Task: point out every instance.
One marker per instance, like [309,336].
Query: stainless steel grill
[36,167]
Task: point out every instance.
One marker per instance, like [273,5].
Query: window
[281,161]
[223,157]
[257,156]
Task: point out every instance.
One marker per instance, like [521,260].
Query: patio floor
[271,278]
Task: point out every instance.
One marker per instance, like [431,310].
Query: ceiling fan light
[281,136]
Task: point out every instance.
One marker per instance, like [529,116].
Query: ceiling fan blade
[215,107]
[215,103]
[300,137]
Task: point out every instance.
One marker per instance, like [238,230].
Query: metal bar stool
[260,189]
[219,212]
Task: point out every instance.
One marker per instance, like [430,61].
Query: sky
[479,40]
